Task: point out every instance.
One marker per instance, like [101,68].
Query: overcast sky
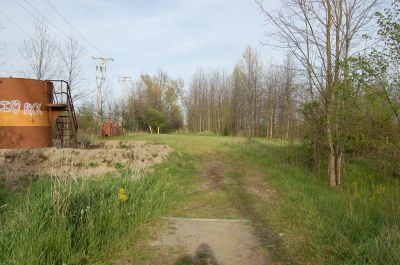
[143,36]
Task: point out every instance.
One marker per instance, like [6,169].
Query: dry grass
[101,158]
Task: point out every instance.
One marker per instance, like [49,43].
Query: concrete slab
[223,241]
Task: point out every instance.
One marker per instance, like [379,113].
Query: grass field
[297,216]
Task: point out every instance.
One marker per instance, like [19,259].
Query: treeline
[338,89]
[152,103]
[253,100]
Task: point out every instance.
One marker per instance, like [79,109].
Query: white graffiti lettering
[28,109]
[14,106]
[5,106]
[10,106]
[32,109]
[37,109]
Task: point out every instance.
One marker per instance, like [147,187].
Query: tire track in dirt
[247,181]
[241,181]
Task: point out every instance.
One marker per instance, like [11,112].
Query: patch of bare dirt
[215,171]
[258,187]
[262,193]
[101,158]
[215,174]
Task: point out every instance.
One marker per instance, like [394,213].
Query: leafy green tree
[386,59]
[154,118]
[86,117]
[175,119]
[375,78]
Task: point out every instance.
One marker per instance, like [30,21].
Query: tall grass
[358,223]
[58,221]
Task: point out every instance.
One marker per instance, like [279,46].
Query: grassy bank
[358,223]
[56,221]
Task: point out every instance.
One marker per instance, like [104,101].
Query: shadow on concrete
[203,256]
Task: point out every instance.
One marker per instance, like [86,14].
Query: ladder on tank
[65,130]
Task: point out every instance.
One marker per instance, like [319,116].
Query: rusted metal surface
[15,137]
[110,128]
[62,115]
[24,116]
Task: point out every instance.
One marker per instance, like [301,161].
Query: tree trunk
[335,158]
[339,164]
[332,168]
[158,129]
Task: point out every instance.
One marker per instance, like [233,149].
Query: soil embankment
[100,158]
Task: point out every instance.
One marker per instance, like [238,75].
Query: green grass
[66,222]
[304,222]
[307,222]
[358,223]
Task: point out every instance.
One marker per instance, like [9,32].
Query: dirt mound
[102,157]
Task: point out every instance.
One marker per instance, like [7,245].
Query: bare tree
[40,53]
[253,71]
[71,56]
[252,101]
[321,35]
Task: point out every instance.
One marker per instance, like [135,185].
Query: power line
[13,22]
[63,36]
[80,34]
[36,18]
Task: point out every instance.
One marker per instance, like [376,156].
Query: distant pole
[125,80]
[100,78]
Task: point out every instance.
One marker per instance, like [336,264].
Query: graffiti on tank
[32,109]
[10,106]
[14,106]
[5,106]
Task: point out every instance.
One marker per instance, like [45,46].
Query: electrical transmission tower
[101,68]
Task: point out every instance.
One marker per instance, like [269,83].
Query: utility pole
[100,78]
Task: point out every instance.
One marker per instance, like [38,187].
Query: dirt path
[225,186]
[212,227]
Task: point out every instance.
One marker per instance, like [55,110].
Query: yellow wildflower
[122,195]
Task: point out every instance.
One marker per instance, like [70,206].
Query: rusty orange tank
[27,113]
[110,128]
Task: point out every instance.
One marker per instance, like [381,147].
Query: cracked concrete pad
[228,241]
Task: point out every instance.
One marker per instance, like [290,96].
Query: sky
[176,36]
